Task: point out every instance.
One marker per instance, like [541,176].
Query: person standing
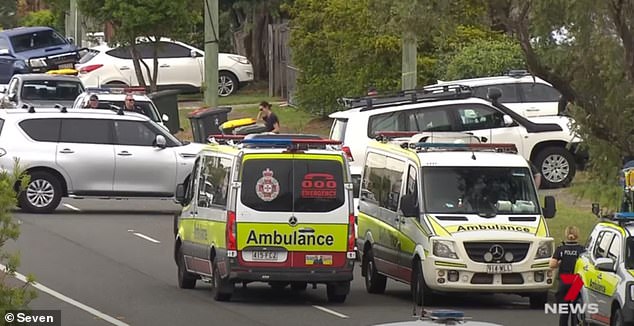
[565,259]
[270,119]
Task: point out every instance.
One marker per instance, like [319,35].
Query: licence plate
[499,269]
[66,66]
[264,255]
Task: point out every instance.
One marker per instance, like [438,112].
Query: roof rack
[471,147]
[517,73]
[426,94]
[61,108]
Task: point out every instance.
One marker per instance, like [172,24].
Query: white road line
[72,207]
[143,236]
[332,312]
[68,300]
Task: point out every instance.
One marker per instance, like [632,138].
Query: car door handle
[124,68]
[164,65]
[66,151]
[124,153]
[532,109]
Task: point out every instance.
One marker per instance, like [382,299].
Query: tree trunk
[136,58]
[259,43]
[154,75]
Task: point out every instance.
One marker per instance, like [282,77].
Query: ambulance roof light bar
[224,139]
[290,141]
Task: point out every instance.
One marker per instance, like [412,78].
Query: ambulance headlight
[445,249]
[544,250]
[632,291]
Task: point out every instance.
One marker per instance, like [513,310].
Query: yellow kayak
[67,71]
[232,124]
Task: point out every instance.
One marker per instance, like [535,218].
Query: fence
[282,74]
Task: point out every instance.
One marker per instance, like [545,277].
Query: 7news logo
[572,303]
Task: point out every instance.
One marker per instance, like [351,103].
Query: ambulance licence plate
[264,255]
[499,269]
[66,66]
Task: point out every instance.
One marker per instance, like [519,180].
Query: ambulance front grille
[478,250]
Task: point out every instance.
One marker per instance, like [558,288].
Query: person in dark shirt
[270,119]
[130,105]
[565,258]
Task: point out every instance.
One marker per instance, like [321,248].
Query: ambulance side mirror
[550,207]
[596,209]
[605,265]
[180,193]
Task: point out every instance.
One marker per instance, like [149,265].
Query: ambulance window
[214,182]
[267,185]
[409,202]
[603,243]
[615,248]
[629,253]
[392,183]
[318,185]
[189,186]
[372,179]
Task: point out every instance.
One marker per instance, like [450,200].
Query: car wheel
[420,291]
[374,282]
[617,318]
[337,292]
[222,289]
[42,195]
[557,166]
[538,300]
[227,84]
[186,280]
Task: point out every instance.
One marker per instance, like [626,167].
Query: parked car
[546,141]
[523,93]
[91,153]
[34,49]
[180,66]
[40,91]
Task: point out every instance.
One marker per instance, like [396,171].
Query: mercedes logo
[292,221]
[496,252]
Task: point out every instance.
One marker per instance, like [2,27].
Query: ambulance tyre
[617,317]
[186,280]
[299,286]
[538,300]
[221,289]
[421,294]
[337,292]
[374,282]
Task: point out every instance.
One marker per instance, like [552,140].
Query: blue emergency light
[624,215]
[289,141]
[445,314]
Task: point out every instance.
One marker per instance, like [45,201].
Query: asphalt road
[110,262]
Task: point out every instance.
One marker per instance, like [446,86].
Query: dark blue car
[34,49]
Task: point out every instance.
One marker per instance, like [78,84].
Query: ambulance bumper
[312,276]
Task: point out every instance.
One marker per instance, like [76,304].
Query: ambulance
[446,212]
[267,208]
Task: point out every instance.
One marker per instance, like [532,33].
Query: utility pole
[211,53]
[73,23]
[408,68]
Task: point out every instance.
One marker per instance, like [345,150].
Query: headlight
[239,59]
[19,65]
[37,63]
[444,248]
[545,250]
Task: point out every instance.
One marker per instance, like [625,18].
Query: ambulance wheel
[538,300]
[337,292]
[299,286]
[617,318]
[42,194]
[374,282]
[186,280]
[420,292]
[221,289]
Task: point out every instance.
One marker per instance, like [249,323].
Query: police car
[443,212]
[267,208]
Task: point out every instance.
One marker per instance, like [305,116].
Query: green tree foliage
[12,297]
[8,13]
[485,58]
[152,19]
[341,50]
[39,18]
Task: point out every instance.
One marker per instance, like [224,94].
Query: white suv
[546,141]
[180,66]
[91,153]
[527,95]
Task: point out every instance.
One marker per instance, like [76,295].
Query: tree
[11,297]
[151,19]
[485,58]
[39,18]
[8,13]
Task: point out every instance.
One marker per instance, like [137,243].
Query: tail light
[89,68]
[346,150]
[351,237]
[231,234]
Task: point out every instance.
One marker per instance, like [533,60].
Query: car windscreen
[36,40]
[479,190]
[146,106]
[292,185]
[629,253]
[51,90]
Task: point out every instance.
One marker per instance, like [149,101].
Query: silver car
[86,153]
[40,91]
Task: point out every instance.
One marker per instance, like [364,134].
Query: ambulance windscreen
[285,185]
[479,190]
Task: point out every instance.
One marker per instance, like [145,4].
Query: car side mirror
[193,53]
[70,40]
[179,194]
[165,117]
[605,265]
[550,207]
[494,94]
[3,89]
[507,120]
[12,97]
[160,141]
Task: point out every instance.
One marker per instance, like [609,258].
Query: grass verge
[571,215]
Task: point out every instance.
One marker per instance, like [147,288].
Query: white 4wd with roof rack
[91,153]
[547,142]
[523,93]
